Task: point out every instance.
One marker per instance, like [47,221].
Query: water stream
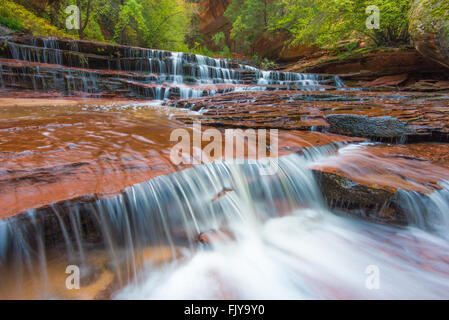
[218,230]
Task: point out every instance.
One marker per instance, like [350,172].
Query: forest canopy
[318,22]
[173,24]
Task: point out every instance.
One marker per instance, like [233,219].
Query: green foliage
[174,24]
[20,16]
[430,15]
[201,49]
[219,39]
[351,46]
[130,28]
[11,23]
[250,19]
[106,15]
[152,23]
[267,64]
[326,22]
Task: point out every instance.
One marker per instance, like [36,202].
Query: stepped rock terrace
[73,66]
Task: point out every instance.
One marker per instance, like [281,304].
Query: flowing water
[218,230]
[151,74]
[277,239]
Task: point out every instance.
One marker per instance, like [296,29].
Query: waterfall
[273,227]
[186,75]
[428,212]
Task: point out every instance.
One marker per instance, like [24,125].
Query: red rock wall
[213,21]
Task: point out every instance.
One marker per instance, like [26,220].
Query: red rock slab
[387,81]
[436,153]
[51,152]
[291,141]
[49,100]
[414,167]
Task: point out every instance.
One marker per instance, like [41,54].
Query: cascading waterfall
[217,230]
[49,53]
[155,74]
[274,227]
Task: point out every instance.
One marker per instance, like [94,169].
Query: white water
[169,73]
[309,255]
[280,241]
[305,253]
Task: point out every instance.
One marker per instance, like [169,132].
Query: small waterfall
[50,53]
[428,212]
[167,211]
[277,222]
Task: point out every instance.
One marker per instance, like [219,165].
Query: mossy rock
[429,29]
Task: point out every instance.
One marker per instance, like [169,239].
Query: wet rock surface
[52,151]
[363,126]
[51,154]
[367,178]
[419,116]
[370,176]
[380,70]
[108,146]
[86,168]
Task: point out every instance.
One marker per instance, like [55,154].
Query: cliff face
[213,21]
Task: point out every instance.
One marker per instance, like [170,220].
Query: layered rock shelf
[75,67]
[409,116]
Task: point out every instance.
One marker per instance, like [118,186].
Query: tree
[250,19]
[131,27]
[325,22]
[83,22]
[152,23]
[167,23]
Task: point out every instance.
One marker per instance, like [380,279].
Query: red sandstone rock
[388,81]
[57,150]
[426,117]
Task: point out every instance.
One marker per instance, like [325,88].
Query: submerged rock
[363,126]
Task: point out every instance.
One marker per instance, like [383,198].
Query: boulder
[340,190]
[429,29]
[363,126]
